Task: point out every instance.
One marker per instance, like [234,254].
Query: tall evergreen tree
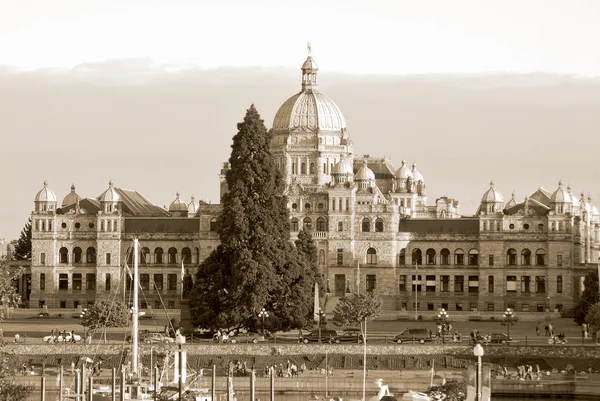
[23,247]
[256,266]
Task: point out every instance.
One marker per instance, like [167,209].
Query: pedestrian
[537,330]
[551,329]
[73,336]
[547,330]
[590,369]
[584,330]
[538,372]
[64,336]
[16,338]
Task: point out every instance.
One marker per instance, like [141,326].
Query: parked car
[349,337]
[326,336]
[59,338]
[157,338]
[247,337]
[417,334]
[498,338]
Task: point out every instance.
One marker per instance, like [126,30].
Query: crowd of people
[289,370]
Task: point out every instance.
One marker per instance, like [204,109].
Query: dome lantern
[309,72]
[71,197]
[178,205]
[561,199]
[45,199]
[110,199]
[492,200]
[192,207]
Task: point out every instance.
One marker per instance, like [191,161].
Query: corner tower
[309,133]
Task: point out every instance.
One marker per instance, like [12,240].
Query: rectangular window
[444,283]
[144,305]
[429,283]
[459,283]
[559,284]
[42,282]
[473,284]
[525,284]
[77,281]
[490,307]
[473,259]
[107,282]
[41,304]
[430,306]
[559,307]
[340,226]
[540,284]
[540,308]
[416,283]
[340,256]
[63,304]
[158,282]
[108,259]
[472,307]
[145,281]
[42,259]
[445,306]
[491,260]
[525,308]
[171,305]
[540,259]
[511,283]
[76,304]
[459,306]
[157,305]
[490,284]
[171,282]
[63,281]
[90,281]
[558,260]
[402,284]
[371,282]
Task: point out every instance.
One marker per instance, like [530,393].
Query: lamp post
[443,315]
[548,304]
[320,317]
[81,315]
[263,314]
[509,317]
[478,352]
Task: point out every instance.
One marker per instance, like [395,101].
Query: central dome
[309,109]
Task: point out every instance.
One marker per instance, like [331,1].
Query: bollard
[272,372]
[77,383]
[156,377]
[114,384]
[90,387]
[252,385]
[43,389]
[60,384]
[122,397]
[213,390]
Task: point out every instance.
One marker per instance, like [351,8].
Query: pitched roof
[91,206]
[134,204]
[440,226]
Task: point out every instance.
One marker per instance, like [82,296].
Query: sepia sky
[148,93]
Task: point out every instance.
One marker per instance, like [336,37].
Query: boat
[416,396]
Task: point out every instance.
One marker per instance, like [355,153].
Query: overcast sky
[148,93]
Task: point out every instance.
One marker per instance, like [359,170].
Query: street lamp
[320,317]
[263,314]
[478,352]
[81,315]
[509,318]
[443,315]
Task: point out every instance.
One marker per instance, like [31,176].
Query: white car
[60,339]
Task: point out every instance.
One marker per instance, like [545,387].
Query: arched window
[213,224]
[307,224]
[172,256]
[417,257]
[366,225]
[320,206]
[444,257]
[90,255]
[186,255]
[145,255]
[402,257]
[303,168]
[307,206]
[311,169]
[540,257]
[158,256]
[321,226]
[430,256]
[526,257]
[371,256]
[473,257]
[294,224]
[511,257]
[77,255]
[294,206]
[379,225]
[63,255]
[459,257]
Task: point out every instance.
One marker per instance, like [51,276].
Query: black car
[420,335]
[326,336]
[349,337]
[498,338]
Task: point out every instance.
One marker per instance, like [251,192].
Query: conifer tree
[255,266]
[23,247]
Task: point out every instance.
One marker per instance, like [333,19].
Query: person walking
[537,330]
[584,330]
[17,338]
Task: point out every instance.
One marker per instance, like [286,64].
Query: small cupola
[45,199]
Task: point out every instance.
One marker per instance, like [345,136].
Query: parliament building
[374,226]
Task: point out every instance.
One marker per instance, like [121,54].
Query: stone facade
[372,225]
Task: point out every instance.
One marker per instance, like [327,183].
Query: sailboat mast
[134,310]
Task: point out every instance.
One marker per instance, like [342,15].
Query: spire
[45,184]
[73,187]
[309,48]
[560,184]
[513,194]
[110,183]
[492,184]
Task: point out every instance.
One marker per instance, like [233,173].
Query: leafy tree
[9,389]
[105,313]
[255,266]
[8,291]
[453,390]
[589,297]
[357,310]
[23,247]
[593,315]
